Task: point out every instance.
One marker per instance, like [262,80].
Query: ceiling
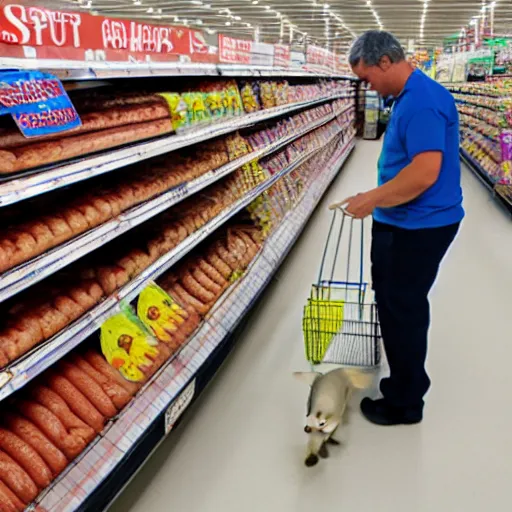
[334,23]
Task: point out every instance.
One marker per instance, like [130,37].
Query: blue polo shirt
[424,118]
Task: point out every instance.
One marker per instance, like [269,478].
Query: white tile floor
[242,448]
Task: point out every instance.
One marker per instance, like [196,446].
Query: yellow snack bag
[160,313]
[127,345]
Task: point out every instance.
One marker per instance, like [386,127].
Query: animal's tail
[360,379]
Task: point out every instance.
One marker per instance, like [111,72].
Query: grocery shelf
[94,70]
[49,179]
[16,375]
[477,169]
[33,271]
[96,478]
[503,197]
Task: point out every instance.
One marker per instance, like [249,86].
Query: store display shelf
[92,70]
[16,375]
[477,169]
[502,193]
[45,180]
[31,272]
[96,478]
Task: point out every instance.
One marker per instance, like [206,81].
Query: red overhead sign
[234,51]
[68,32]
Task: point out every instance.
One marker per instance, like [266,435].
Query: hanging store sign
[69,35]
[37,102]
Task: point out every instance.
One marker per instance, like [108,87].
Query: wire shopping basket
[340,325]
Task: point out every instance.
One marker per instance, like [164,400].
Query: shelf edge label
[178,407]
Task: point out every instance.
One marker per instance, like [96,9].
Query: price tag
[37,102]
[178,407]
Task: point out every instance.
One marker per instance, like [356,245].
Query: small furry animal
[328,400]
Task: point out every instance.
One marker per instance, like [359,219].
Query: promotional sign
[282,55]
[37,102]
[82,36]
[234,51]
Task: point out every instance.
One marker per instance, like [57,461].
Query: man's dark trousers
[405,264]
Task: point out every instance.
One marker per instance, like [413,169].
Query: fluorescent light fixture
[196,2]
[150,10]
[228,23]
[255,2]
[199,22]
[237,18]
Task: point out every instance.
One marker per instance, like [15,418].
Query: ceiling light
[255,2]
[237,18]
[199,22]
[176,19]
[196,2]
[326,6]
[150,10]
[369,2]
[159,11]
[248,25]
[267,8]
[137,2]
[228,23]
[207,6]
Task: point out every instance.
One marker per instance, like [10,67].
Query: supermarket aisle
[242,448]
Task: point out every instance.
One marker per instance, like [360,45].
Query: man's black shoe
[382,413]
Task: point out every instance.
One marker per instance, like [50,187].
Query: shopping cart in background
[340,320]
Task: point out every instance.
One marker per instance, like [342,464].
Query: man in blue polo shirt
[417,210]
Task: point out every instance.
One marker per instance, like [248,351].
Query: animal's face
[320,422]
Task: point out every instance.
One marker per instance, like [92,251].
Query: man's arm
[410,182]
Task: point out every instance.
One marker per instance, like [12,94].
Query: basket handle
[351,220]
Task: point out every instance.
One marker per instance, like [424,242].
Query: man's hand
[359,206]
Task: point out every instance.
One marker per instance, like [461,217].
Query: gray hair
[372,46]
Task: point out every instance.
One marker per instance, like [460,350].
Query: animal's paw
[324,452]
[312,460]
[333,442]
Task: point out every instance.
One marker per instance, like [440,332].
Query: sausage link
[76,401]
[29,433]
[54,403]
[26,457]
[89,388]
[196,290]
[9,502]
[187,299]
[203,279]
[223,268]
[52,427]
[17,479]
[119,396]
[212,273]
